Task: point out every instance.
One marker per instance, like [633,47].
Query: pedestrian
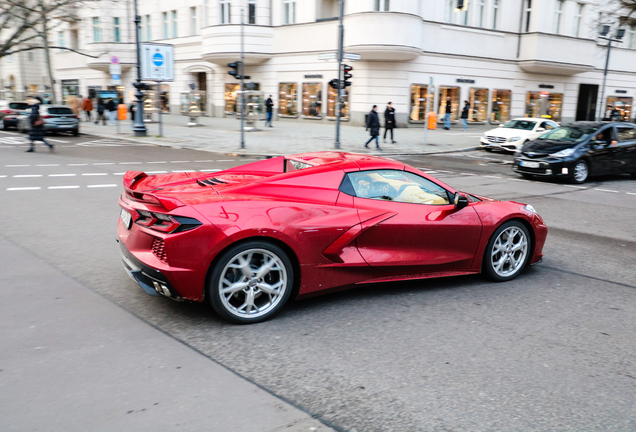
[132,109]
[111,107]
[100,112]
[447,114]
[373,126]
[87,107]
[465,111]
[615,114]
[74,104]
[608,113]
[389,121]
[269,108]
[36,133]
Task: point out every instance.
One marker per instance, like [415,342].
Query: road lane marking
[156,172]
[492,176]
[102,186]
[630,193]
[94,174]
[207,160]
[63,187]
[16,166]
[225,160]
[573,186]
[130,163]
[24,188]
[47,165]
[121,173]
[77,164]
[58,141]
[104,163]
[606,190]
[27,175]
[62,175]
[178,171]
[211,170]
[467,174]
[157,162]
[179,161]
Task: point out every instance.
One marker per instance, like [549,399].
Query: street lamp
[138,123]
[617,38]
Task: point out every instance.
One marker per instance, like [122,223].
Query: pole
[242,83]
[159,108]
[340,77]
[138,124]
[602,106]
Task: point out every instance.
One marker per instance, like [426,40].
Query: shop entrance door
[586,105]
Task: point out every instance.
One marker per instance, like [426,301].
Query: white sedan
[513,134]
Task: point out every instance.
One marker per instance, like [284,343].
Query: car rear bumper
[10,122]
[65,127]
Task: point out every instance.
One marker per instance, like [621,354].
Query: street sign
[115,79]
[327,56]
[351,56]
[334,56]
[115,69]
[114,60]
[157,62]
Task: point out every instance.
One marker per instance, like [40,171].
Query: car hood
[507,132]
[543,146]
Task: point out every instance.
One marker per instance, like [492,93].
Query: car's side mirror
[541,130]
[460,201]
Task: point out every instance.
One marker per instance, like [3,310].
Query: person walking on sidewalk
[447,114]
[389,121]
[36,133]
[111,106]
[87,107]
[269,109]
[100,111]
[373,126]
[465,115]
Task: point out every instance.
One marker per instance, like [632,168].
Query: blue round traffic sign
[157,59]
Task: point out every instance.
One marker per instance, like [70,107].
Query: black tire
[493,251]
[580,172]
[76,132]
[527,176]
[488,149]
[252,288]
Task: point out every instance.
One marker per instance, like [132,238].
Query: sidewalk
[289,136]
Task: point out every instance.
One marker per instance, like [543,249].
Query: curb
[272,154]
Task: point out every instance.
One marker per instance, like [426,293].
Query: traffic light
[347,76]
[334,83]
[462,5]
[235,72]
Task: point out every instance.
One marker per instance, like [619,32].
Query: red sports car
[249,238]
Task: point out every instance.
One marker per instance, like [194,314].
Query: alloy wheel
[580,172]
[509,251]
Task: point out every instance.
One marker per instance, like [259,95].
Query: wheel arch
[525,223]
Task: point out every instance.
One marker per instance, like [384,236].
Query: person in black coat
[464,116]
[269,109]
[36,133]
[373,126]
[389,121]
[111,106]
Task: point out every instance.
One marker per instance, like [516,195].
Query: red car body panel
[335,239]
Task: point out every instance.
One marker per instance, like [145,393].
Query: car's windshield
[520,124]
[61,110]
[570,133]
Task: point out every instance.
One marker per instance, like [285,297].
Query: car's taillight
[7,111]
[47,116]
[165,223]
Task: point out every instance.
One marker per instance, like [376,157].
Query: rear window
[61,110]
[18,105]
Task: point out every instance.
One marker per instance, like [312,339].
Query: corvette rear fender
[131,178]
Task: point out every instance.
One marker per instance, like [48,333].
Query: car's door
[425,233]
[601,154]
[626,148]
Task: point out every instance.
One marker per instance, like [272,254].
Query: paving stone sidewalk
[289,136]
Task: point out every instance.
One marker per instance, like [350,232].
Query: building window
[97,36]
[312,100]
[495,14]
[175,24]
[578,17]
[544,104]
[419,102]
[443,94]
[148,28]
[500,110]
[526,15]
[381,5]
[623,105]
[287,100]
[165,26]
[481,11]
[75,39]
[449,11]
[224,12]
[251,11]
[629,37]
[289,12]
[558,12]
[332,97]
[9,58]
[61,39]
[31,57]
[193,21]
[478,101]
[465,15]
[116,30]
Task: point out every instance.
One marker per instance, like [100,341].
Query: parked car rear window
[520,124]
[60,110]
[570,133]
[18,105]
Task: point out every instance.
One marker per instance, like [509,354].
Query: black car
[579,150]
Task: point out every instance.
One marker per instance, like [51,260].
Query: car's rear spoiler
[133,177]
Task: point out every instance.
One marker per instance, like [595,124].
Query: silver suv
[57,118]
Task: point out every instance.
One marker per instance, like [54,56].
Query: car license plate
[126,218]
[529,164]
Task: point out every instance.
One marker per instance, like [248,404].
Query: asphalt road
[552,350]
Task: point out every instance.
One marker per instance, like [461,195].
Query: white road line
[63,187]
[446,172]
[47,165]
[62,175]
[630,193]
[157,162]
[520,180]
[156,172]
[573,186]
[490,176]
[130,163]
[207,160]
[178,171]
[179,161]
[77,164]
[16,166]
[210,170]
[27,175]
[606,190]
[467,174]
[58,141]
[104,163]
[94,174]
[24,188]
[102,186]
[225,160]
[121,173]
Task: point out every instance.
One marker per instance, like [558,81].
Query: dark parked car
[57,118]
[9,112]
[579,150]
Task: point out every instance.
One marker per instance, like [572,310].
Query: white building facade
[508,58]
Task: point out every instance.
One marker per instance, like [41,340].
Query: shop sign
[313,76]
[466,80]
[621,91]
[544,93]
[71,82]
[548,86]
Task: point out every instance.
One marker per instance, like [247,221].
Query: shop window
[621,104]
[444,93]
[478,100]
[544,104]
[419,102]
[287,100]
[500,110]
[332,96]
[232,99]
[312,100]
